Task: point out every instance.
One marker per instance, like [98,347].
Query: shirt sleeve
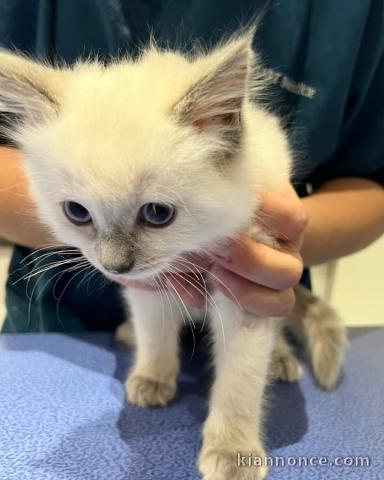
[360,151]
[359,148]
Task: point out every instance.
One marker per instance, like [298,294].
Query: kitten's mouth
[128,279]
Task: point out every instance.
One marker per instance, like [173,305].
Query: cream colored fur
[166,128]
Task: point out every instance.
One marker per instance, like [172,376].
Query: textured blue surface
[63,414]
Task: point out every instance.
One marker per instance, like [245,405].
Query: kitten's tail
[321,330]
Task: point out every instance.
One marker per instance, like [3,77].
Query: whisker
[198,267]
[88,275]
[188,314]
[65,289]
[209,298]
[37,250]
[70,269]
[205,293]
[170,296]
[46,269]
[42,290]
[45,255]
[171,273]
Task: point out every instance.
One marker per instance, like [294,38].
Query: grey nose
[119,269]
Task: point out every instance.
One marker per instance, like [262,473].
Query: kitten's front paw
[145,392]
[217,464]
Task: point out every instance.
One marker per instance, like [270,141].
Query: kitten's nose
[119,269]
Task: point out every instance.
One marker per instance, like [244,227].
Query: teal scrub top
[325,60]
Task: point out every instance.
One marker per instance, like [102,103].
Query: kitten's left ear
[214,103]
[29,92]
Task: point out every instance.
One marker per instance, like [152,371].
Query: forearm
[344,216]
[18,218]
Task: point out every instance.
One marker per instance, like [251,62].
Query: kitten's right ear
[28,91]
[214,102]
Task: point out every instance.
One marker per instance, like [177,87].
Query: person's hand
[261,278]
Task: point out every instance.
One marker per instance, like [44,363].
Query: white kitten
[138,163]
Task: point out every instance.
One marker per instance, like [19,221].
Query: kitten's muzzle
[119,269]
[116,253]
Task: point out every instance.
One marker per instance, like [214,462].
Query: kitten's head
[137,162]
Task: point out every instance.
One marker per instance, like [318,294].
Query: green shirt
[325,59]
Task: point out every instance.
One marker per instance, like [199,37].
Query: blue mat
[63,415]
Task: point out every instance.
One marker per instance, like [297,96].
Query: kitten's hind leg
[232,429]
[318,326]
[284,365]
[156,322]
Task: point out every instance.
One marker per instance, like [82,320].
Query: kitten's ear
[28,90]
[215,101]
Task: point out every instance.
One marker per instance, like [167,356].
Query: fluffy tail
[321,330]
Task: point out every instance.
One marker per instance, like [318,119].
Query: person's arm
[18,218]
[344,216]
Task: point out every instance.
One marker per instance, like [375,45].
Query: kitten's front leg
[242,350]
[156,321]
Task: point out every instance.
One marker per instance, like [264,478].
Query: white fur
[125,135]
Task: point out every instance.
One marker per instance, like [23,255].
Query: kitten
[137,163]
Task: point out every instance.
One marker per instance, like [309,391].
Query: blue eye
[156,215]
[76,213]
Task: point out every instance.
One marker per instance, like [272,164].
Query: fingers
[283,215]
[259,300]
[260,264]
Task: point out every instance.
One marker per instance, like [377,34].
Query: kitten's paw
[145,392]
[124,333]
[286,368]
[217,464]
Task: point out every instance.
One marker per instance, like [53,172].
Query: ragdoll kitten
[137,163]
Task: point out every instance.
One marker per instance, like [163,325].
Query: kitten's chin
[133,278]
